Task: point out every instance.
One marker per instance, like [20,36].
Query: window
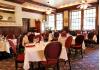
[75,20]
[59,21]
[89,19]
[51,21]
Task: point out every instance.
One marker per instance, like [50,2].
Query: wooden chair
[90,42]
[52,53]
[63,34]
[10,36]
[56,35]
[68,43]
[78,44]
[12,47]
[38,37]
[19,57]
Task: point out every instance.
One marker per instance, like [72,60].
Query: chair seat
[49,62]
[76,46]
[20,57]
[30,46]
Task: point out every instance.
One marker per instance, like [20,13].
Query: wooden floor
[90,61]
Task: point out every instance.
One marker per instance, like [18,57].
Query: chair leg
[31,66]
[68,54]
[58,66]
[68,61]
[81,53]
[75,52]
[16,65]
[46,68]
[39,68]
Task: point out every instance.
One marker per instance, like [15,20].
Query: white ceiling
[54,3]
[59,3]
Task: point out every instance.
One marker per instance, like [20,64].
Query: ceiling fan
[84,5]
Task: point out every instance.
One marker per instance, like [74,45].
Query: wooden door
[37,25]
[26,23]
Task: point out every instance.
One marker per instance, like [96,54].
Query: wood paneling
[26,24]
[13,30]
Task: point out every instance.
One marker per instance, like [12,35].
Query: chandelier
[48,11]
[84,5]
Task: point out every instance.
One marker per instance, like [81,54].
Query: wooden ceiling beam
[6,11]
[75,7]
[7,7]
[33,11]
[32,2]
[17,1]
[23,9]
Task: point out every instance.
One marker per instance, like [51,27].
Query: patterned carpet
[90,61]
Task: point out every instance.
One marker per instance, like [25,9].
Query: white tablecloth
[37,54]
[4,46]
[62,40]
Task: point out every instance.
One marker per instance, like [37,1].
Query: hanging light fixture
[84,5]
[48,11]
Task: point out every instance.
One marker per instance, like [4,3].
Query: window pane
[51,24]
[75,20]
[89,19]
[59,21]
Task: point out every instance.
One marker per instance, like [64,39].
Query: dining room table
[4,46]
[36,54]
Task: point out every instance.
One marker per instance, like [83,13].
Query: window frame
[59,20]
[89,18]
[51,21]
[70,19]
[82,18]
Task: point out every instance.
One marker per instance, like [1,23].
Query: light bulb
[85,6]
[48,12]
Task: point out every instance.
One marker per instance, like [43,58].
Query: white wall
[32,17]
[6,15]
